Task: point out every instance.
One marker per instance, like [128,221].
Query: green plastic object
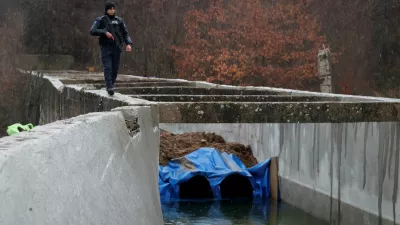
[17,127]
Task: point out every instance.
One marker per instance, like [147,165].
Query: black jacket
[116,26]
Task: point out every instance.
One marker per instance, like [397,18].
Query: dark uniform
[110,49]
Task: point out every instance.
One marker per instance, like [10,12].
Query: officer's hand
[109,35]
[128,48]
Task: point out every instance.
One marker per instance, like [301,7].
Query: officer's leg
[115,64]
[106,58]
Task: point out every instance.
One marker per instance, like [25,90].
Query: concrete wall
[61,101]
[84,170]
[313,176]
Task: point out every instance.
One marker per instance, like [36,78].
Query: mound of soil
[178,145]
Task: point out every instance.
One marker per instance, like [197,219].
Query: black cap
[108,6]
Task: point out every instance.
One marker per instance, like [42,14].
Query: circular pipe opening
[196,187]
[236,186]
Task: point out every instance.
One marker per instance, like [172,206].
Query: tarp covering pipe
[215,167]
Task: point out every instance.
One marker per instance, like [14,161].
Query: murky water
[238,212]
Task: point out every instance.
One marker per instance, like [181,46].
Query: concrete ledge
[178,90]
[85,170]
[279,112]
[232,98]
[143,84]
[284,91]
[79,75]
[100,81]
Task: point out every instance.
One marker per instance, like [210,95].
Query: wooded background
[257,42]
[241,42]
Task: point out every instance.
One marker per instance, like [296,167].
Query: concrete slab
[85,170]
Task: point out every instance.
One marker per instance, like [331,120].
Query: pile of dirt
[178,145]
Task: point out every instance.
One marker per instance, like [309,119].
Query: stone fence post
[325,69]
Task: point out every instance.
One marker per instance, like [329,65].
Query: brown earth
[178,145]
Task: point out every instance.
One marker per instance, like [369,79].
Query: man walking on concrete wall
[112,33]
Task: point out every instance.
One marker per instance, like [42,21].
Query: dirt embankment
[178,145]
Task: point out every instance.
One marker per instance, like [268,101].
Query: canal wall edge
[88,169]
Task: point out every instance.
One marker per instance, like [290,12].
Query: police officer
[112,33]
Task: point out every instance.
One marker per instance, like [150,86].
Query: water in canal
[235,212]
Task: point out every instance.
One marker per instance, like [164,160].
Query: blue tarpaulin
[215,167]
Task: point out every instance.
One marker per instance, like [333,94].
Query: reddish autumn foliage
[346,84]
[250,43]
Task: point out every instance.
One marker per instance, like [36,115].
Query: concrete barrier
[84,170]
[338,154]
[62,101]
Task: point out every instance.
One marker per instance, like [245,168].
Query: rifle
[109,27]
